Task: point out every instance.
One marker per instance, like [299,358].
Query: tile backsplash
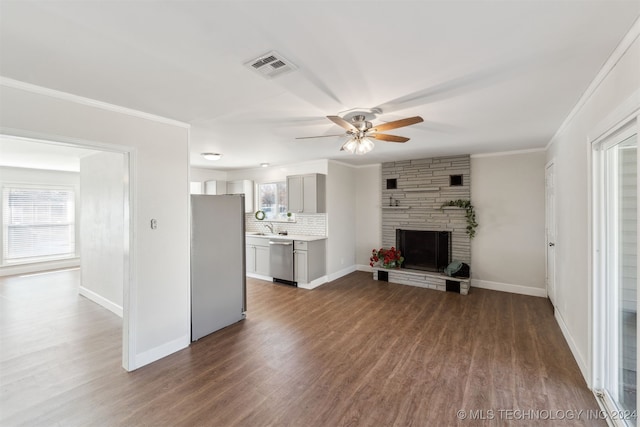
[306,224]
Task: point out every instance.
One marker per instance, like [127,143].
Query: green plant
[470,214]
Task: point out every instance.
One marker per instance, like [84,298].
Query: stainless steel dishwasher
[281,263]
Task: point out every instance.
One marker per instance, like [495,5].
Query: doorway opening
[102,219]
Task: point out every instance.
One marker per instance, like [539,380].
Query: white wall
[278,173]
[102,185]
[508,252]
[341,220]
[41,177]
[159,306]
[569,150]
[368,213]
[202,175]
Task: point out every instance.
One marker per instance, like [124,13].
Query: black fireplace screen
[424,250]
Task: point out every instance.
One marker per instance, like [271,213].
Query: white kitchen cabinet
[257,256]
[245,187]
[262,261]
[309,260]
[195,187]
[306,193]
[215,187]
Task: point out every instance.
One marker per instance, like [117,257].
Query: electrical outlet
[154,224]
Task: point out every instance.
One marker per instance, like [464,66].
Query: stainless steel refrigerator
[218,281]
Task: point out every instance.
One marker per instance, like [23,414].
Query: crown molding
[40,90]
[509,153]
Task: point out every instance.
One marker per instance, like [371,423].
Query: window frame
[281,216]
[73,223]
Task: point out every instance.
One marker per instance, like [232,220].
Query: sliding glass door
[616,279]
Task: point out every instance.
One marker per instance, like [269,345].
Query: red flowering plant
[388,258]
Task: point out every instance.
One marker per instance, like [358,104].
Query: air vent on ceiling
[271,64]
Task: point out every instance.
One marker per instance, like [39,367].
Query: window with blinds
[38,223]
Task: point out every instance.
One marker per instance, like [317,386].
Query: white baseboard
[38,267]
[314,283]
[362,267]
[340,273]
[260,277]
[161,351]
[506,287]
[573,347]
[102,301]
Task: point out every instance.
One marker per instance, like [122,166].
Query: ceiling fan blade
[397,124]
[389,138]
[321,136]
[342,123]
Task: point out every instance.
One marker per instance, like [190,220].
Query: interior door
[550,214]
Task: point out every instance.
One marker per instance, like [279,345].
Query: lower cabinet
[258,256]
[300,259]
[262,261]
[309,260]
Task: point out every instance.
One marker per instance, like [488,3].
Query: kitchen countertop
[299,237]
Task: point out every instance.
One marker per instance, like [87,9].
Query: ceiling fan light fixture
[211,156]
[358,146]
[350,146]
[364,146]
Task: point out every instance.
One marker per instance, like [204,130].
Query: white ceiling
[487,76]
[22,153]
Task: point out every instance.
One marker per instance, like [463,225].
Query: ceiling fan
[360,132]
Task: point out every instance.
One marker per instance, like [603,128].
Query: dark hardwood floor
[353,352]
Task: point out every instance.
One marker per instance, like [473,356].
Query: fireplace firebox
[424,250]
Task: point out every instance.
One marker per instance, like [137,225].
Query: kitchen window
[272,200]
[38,223]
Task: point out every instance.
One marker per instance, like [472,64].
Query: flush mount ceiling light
[211,156]
[264,165]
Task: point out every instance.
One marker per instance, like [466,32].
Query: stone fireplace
[412,193]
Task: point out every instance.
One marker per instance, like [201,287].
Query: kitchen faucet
[270,227]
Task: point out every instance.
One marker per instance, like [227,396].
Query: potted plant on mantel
[470,214]
[388,258]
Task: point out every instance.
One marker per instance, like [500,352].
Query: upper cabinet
[215,187]
[232,187]
[306,193]
[245,187]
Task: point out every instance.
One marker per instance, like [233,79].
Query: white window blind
[39,223]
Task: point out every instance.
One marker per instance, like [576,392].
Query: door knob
[552,244]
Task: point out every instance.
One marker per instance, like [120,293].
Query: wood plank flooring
[354,352]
